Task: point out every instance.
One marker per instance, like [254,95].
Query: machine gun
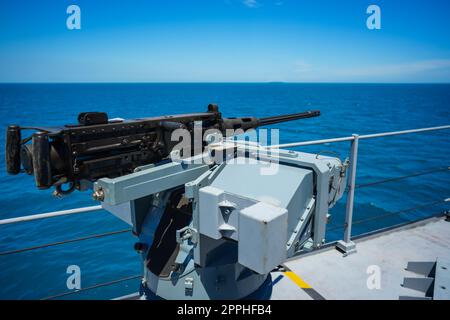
[204,230]
[97,147]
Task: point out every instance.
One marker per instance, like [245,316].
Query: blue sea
[346,109]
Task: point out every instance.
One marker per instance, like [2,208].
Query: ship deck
[327,274]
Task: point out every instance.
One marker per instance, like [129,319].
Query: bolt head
[98,195]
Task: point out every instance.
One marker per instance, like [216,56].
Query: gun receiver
[97,147]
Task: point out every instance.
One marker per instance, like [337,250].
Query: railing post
[347,246]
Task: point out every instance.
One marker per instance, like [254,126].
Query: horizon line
[212,82]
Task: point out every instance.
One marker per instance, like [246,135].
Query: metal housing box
[262,237]
[219,212]
[291,187]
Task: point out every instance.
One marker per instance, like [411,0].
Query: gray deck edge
[371,235]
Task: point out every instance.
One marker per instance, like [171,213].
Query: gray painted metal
[228,280]
[424,285]
[347,245]
[436,283]
[421,267]
[442,280]
[351,189]
[294,192]
[265,249]
[149,181]
[414,298]
[322,171]
[335,277]
[192,192]
[263,220]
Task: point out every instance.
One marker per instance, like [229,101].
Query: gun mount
[97,147]
[205,229]
[217,231]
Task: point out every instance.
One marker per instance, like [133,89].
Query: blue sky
[225,40]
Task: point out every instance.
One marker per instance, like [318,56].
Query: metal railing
[50,214]
[351,186]
[347,245]
[58,243]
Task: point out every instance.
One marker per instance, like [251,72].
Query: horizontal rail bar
[309,143]
[47,245]
[397,133]
[350,138]
[50,214]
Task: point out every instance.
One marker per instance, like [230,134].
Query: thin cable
[391,214]
[100,235]
[63,294]
[400,212]
[439,214]
[440,169]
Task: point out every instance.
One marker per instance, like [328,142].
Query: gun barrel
[289,117]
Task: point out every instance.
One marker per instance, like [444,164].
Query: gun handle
[41,160]
[13,139]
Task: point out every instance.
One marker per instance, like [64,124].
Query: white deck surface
[336,277]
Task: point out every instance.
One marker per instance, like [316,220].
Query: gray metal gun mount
[216,229]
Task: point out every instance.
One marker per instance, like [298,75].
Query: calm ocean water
[346,109]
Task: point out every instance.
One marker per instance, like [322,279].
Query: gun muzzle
[246,123]
[289,117]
